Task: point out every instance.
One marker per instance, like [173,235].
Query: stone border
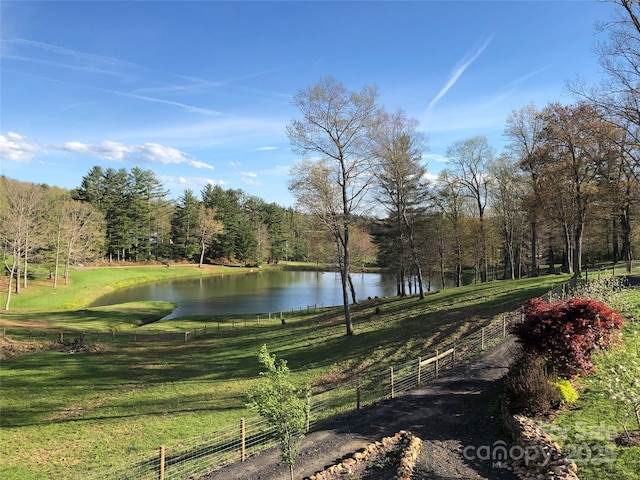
[538,456]
[410,451]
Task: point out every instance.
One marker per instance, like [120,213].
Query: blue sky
[200,92]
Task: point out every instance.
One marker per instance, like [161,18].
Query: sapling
[284,405]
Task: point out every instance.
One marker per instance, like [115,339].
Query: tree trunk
[414,254]
[26,261]
[11,273]
[201,255]
[352,289]
[442,263]
[17,269]
[345,278]
[534,248]
[568,249]
[577,255]
[66,266]
[56,262]
[626,238]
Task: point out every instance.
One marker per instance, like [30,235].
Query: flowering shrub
[568,333]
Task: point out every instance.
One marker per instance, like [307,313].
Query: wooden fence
[253,434]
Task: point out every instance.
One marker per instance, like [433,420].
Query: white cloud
[249,174]
[263,149]
[250,182]
[467,60]
[436,157]
[146,153]
[18,148]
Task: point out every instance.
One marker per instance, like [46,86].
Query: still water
[257,292]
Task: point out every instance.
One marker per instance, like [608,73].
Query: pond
[258,292]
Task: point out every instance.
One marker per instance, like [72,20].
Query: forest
[563,197]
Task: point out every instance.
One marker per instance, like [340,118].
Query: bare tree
[524,129]
[469,165]
[208,226]
[400,173]
[331,181]
[19,204]
[617,94]
[449,201]
[507,199]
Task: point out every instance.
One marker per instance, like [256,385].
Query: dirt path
[452,415]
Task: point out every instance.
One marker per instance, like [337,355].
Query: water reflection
[257,292]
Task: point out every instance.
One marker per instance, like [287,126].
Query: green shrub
[568,394]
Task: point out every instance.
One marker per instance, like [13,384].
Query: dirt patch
[630,440]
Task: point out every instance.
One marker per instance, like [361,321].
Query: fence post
[453,356]
[243,453]
[358,388]
[393,393]
[504,326]
[482,339]
[186,336]
[61,337]
[308,413]
[419,370]
[205,331]
[161,463]
[437,366]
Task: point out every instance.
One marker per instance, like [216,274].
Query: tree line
[562,195]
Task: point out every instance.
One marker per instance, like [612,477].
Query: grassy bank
[87,284]
[71,415]
[586,430]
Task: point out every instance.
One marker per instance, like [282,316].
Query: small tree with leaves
[284,405]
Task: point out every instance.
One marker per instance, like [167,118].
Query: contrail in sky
[467,60]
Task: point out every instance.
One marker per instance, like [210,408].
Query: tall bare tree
[524,130]
[332,179]
[469,161]
[507,199]
[400,174]
[449,201]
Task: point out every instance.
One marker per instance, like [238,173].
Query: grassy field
[585,430]
[72,415]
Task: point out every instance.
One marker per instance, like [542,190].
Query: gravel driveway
[452,415]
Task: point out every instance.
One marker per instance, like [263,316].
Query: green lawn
[70,415]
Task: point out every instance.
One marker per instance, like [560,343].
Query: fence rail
[154,335]
[211,452]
